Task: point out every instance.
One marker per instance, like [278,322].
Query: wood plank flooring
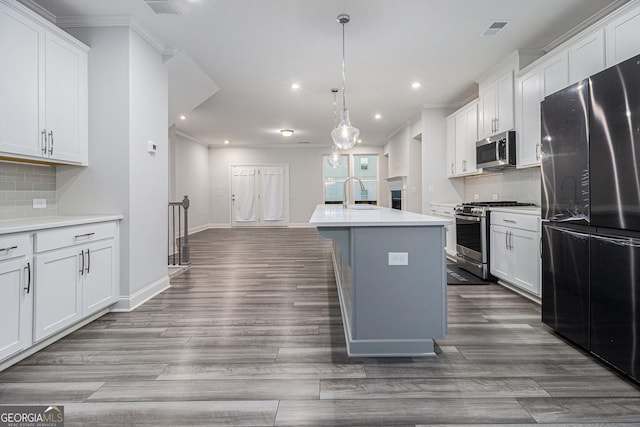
[252,335]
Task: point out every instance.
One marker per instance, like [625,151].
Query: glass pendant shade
[344,135]
[334,158]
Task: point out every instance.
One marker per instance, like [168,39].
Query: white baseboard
[218,225]
[300,225]
[198,229]
[131,302]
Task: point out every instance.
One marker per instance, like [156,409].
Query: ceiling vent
[162,7]
[495,28]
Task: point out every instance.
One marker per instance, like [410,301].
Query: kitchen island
[390,271]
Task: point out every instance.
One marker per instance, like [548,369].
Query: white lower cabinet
[16,294]
[58,298]
[446,211]
[74,279]
[515,250]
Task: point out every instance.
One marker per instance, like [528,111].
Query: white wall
[148,180]
[305,177]
[103,186]
[399,152]
[521,185]
[189,175]
[127,108]
[436,187]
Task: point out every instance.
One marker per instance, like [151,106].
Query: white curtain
[272,193]
[244,194]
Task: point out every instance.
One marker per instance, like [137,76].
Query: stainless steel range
[472,235]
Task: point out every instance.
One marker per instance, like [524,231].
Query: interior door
[259,195]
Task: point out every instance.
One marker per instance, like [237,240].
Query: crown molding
[35,7]
[188,137]
[116,21]
[607,10]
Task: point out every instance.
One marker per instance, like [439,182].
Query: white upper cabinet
[21,44]
[43,110]
[623,36]
[555,72]
[462,134]
[586,56]
[528,97]
[496,112]
[65,101]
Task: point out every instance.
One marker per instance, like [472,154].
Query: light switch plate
[39,203]
[398,258]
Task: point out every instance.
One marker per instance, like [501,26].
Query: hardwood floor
[252,335]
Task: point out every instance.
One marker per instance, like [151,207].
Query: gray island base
[390,272]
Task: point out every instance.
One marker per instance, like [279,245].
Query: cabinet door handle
[51,140]
[28,288]
[78,236]
[510,221]
[82,268]
[88,261]
[8,248]
[540,247]
[510,240]
[44,142]
[506,240]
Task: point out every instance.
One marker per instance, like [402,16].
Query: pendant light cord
[335,109]
[344,78]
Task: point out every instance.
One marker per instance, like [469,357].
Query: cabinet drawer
[68,236]
[524,222]
[14,246]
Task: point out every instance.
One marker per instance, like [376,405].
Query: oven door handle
[468,218]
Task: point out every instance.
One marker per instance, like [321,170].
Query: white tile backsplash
[20,184]
[522,185]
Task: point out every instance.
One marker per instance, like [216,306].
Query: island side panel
[341,241]
[399,302]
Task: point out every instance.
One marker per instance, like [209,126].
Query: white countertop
[337,216]
[40,223]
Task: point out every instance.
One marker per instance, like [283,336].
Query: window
[334,178]
[364,167]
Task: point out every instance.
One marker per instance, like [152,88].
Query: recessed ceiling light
[226,141]
[416,85]
[295,86]
[377,116]
[286,132]
[183,117]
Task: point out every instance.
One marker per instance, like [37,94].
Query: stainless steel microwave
[497,151]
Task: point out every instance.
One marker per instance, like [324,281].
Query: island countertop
[337,216]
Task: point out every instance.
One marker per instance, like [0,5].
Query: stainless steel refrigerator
[591,214]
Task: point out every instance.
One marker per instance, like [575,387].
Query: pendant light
[334,158]
[344,135]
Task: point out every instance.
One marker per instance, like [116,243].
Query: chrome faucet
[344,190]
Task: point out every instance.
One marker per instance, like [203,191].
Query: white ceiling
[255,49]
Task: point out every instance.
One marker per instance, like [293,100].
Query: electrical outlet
[431,188]
[39,203]
[398,258]
[494,196]
[476,197]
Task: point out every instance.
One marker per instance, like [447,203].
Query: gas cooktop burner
[495,204]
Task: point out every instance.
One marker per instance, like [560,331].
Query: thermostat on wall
[151,147]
